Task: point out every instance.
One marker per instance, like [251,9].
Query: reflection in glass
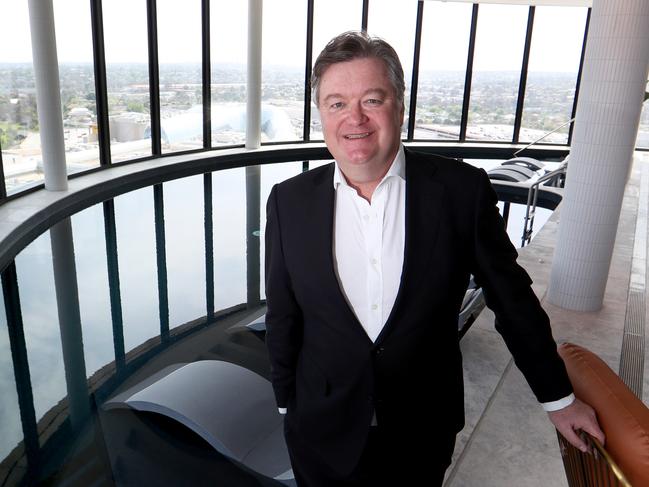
[396,23]
[229,237]
[552,74]
[329,21]
[500,40]
[77,80]
[185,248]
[442,66]
[134,216]
[179,54]
[253,218]
[272,174]
[9,413]
[19,132]
[283,55]
[67,303]
[127,74]
[41,324]
[94,296]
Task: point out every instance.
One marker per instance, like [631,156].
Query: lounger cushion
[623,417]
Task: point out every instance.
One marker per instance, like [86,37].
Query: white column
[48,95]
[608,113]
[253,110]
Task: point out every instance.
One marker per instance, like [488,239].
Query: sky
[501,32]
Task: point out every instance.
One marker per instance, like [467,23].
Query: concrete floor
[508,440]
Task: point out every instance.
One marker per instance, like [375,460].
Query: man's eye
[373,101]
[336,105]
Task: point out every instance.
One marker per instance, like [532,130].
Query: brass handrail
[593,469]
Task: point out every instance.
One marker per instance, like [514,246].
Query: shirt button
[375,306]
[374,261]
[366,217]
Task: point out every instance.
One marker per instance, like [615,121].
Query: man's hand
[577,416]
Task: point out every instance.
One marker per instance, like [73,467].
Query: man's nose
[357,114]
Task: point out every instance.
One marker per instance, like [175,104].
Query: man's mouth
[357,136]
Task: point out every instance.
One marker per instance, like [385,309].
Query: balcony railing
[137,262]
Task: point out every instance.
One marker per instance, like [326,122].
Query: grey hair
[352,45]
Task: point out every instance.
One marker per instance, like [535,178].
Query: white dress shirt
[368,245]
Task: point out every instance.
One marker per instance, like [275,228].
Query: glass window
[127,73]
[272,174]
[185,248]
[229,40]
[10,424]
[557,40]
[442,67]
[77,82]
[19,132]
[181,88]
[138,272]
[229,220]
[41,324]
[500,41]
[92,282]
[330,18]
[396,22]
[283,55]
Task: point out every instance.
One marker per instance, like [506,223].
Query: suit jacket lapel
[319,233]
[424,202]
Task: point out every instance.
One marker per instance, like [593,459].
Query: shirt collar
[397,168]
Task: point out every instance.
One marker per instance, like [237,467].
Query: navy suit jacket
[326,370]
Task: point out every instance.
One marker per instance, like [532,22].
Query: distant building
[128,126]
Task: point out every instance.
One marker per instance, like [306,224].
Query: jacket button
[379,351]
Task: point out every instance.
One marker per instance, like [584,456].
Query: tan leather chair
[622,416]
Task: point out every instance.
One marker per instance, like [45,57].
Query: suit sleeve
[520,319]
[283,316]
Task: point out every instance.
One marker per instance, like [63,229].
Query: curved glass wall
[166,41]
[9,409]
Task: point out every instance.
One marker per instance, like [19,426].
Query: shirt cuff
[560,404]
[282,410]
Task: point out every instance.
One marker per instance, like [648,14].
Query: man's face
[361,118]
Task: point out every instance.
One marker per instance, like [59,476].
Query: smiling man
[367,261]
[361,117]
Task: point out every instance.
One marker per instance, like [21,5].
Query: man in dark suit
[366,267]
